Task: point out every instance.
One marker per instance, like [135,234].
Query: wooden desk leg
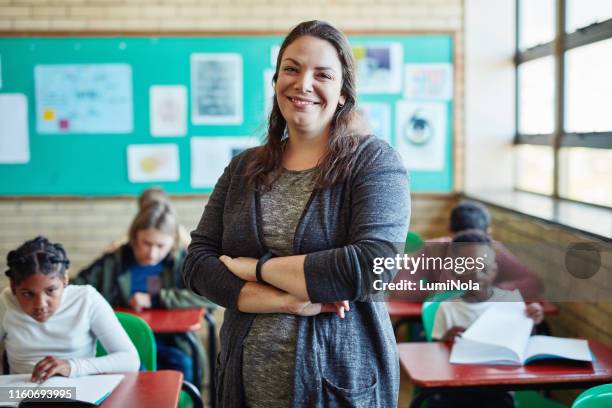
[212,357]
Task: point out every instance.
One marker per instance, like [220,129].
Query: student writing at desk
[512,273]
[146,273]
[456,314]
[49,327]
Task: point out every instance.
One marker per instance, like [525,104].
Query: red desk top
[427,364]
[147,389]
[412,310]
[170,320]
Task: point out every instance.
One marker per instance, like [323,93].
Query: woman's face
[151,246]
[40,295]
[308,85]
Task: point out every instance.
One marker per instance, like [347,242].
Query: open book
[90,389]
[502,335]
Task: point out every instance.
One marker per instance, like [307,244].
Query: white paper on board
[210,156]
[274,50]
[379,67]
[153,162]
[84,98]
[268,74]
[216,89]
[168,110]
[420,134]
[14,132]
[428,81]
[378,115]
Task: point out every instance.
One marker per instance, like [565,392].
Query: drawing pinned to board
[216,89]
[84,98]
[274,50]
[14,135]
[428,81]
[153,162]
[379,68]
[420,134]
[210,155]
[268,91]
[378,115]
[168,110]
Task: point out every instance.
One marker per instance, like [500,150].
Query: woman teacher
[287,241]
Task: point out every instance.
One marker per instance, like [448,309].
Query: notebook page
[466,351]
[504,324]
[552,347]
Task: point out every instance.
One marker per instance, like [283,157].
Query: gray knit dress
[269,349]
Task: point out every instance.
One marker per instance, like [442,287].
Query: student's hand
[242,267]
[50,366]
[535,312]
[140,301]
[299,307]
[453,332]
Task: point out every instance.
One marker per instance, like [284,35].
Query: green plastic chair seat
[141,335]
[595,397]
[414,242]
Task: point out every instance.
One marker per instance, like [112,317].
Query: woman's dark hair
[335,166]
[469,215]
[38,255]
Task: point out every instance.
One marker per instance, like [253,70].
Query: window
[564,82]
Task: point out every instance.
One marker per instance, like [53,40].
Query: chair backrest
[596,397]
[141,335]
[430,308]
[414,242]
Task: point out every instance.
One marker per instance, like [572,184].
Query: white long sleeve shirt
[69,334]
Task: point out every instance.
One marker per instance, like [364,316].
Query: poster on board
[153,162]
[216,89]
[83,98]
[428,81]
[14,133]
[168,110]
[420,134]
[379,68]
[210,156]
[378,116]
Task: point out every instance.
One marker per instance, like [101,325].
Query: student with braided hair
[49,327]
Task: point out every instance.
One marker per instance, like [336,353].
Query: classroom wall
[88,225]
[585,304]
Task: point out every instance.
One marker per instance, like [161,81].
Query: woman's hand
[242,267]
[299,307]
[50,366]
[535,312]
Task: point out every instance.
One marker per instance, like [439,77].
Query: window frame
[557,47]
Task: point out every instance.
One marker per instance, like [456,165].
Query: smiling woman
[288,237]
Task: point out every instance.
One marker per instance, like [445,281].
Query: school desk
[429,368]
[407,312]
[184,321]
[147,389]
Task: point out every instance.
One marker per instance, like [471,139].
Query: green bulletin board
[95,164]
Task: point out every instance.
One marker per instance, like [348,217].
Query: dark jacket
[338,362]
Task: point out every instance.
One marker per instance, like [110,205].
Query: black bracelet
[260,263]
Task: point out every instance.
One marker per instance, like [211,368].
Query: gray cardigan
[338,362]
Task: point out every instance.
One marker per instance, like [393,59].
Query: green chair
[522,399]
[142,336]
[414,242]
[596,397]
